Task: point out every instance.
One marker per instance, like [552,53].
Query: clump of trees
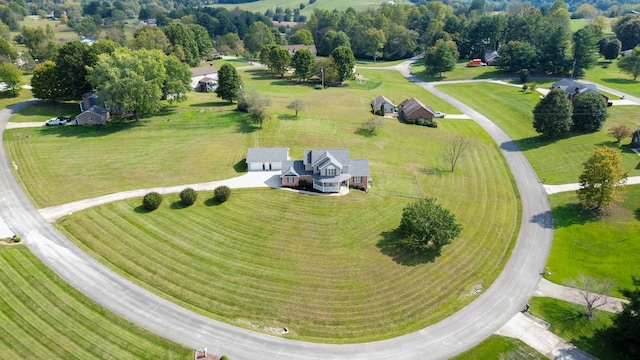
[188,196]
[221,193]
[152,201]
[602,179]
[256,105]
[427,226]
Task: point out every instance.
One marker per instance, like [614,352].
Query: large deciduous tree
[150,38]
[259,36]
[552,115]
[585,50]
[589,112]
[374,40]
[12,77]
[276,57]
[183,42]
[611,49]
[602,179]
[136,80]
[627,29]
[46,83]
[229,83]
[303,62]
[630,63]
[345,62]
[516,55]
[301,36]
[441,57]
[426,225]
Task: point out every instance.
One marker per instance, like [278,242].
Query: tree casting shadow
[573,214]
[544,219]
[388,245]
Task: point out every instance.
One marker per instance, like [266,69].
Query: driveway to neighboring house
[459,332]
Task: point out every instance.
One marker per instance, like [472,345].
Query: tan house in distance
[382,106]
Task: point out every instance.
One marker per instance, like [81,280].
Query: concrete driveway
[447,338]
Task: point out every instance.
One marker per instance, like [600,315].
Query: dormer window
[331,170]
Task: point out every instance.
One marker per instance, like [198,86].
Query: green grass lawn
[609,74]
[459,72]
[43,317]
[570,323]
[604,248]
[501,347]
[203,139]
[324,267]
[510,108]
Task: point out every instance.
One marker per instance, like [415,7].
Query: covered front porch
[331,184]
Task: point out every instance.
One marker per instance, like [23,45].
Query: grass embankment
[570,323]
[557,160]
[324,267]
[606,247]
[609,74]
[500,347]
[42,317]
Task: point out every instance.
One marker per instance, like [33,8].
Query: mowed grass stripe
[325,274]
[44,318]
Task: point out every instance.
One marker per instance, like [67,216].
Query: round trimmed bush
[152,201]
[188,196]
[221,193]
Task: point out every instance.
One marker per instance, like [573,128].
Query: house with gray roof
[92,113]
[573,89]
[266,159]
[327,170]
[382,106]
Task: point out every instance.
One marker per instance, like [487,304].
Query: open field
[602,248]
[263,5]
[324,267]
[510,108]
[608,74]
[204,140]
[42,317]
[500,347]
[570,323]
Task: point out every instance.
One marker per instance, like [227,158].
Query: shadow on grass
[246,126]
[620,81]
[178,205]
[213,104]
[388,245]
[89,131]
[212,202]
[544,219]
[365,132]
[240,166]
[529,143]
[140,209]
[573,214]
[287,117]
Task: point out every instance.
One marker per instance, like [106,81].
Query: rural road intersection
[459,332]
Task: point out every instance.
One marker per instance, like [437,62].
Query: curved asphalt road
[447,338]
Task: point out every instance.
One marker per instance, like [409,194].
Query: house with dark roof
[635,139]
[91,112]
[266,159]
[413,109]
[573,89]
[328,170]
[293,48]
[382,106]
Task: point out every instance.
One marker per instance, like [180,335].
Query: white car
[56,121]
[438,114]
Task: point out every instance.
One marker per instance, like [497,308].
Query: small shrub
[188,196]
[432,124]
[409,121]
[152,201]
[524,76]
[533,86]
[421,121]
[221,193]
[17,239]
[224,357]
[303,183]
[525,87]
[318,87]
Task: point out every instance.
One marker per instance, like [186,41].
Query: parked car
[60,120]
[438,114]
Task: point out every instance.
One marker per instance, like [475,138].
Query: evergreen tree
[229,83]
[552,115]
[589,112]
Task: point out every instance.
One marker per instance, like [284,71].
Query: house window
[290,179]
[331,171]
[357,179]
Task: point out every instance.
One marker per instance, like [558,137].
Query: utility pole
[574,69]
[322,72]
